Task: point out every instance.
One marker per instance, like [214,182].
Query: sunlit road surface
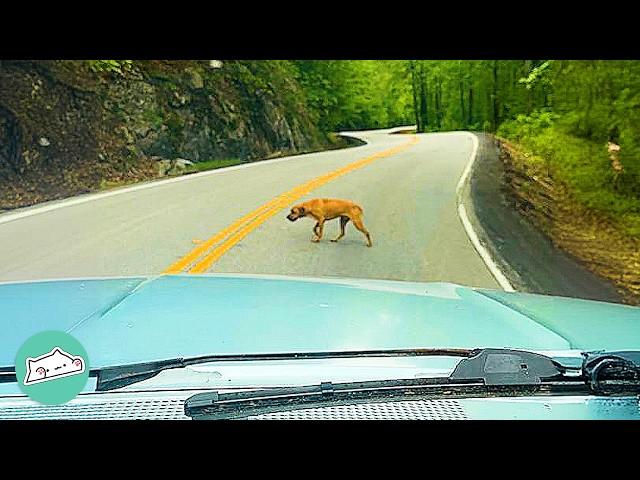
[233,220]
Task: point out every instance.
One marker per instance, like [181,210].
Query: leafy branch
[110,66]
[536,75]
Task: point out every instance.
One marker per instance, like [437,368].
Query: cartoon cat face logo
[51,366]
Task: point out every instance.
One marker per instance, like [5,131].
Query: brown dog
[323,209]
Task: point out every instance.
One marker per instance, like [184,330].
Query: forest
[568,132]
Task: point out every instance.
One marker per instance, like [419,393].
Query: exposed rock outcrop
[66,128]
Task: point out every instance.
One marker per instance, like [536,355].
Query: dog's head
[297,212]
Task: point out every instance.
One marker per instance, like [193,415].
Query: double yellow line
[202,257]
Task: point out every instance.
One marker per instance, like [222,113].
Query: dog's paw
[315,240]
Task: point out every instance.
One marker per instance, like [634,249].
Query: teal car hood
[139,319]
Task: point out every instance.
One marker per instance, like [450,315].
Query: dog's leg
[357,222]
[318,230]
[343,223]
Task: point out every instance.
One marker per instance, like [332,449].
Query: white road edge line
[150,184]
[35,210]
[462,213]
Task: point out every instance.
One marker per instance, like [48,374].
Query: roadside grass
[583,166]
[213,164]
[197,167]
[334,141]
[29,195]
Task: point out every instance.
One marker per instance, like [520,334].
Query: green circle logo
[52,367]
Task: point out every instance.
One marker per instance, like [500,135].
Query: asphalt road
[405,183]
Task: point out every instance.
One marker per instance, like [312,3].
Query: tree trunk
[496,105]
[438,103]
[527,69]
[470,109]
[414,88]
[424,108]
[463,117]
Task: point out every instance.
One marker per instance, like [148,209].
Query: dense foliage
[534,101]
[113,66]
[435,94]
[358,94]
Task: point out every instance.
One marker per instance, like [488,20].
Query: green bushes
[582,165]
[213,164]
[527,125]
[110,66]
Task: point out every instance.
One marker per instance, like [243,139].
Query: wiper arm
[499,366]
[110,378]
[612,373]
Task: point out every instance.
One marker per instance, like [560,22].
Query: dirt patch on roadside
[598,242]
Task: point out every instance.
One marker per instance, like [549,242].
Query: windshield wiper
[488,372]
[110,378]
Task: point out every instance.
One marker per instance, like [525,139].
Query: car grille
[166,408]
[409,410]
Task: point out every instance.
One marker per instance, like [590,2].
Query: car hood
[139,319]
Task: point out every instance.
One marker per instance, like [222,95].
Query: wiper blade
[487,372]
[110,378]
[214,405]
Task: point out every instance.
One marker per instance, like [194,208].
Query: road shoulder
[525,255]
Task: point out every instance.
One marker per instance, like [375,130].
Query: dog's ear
[302,211]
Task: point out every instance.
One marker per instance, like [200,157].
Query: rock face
[64,128]
[178,166]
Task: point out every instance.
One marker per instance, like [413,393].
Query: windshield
[156,211]
[197,167]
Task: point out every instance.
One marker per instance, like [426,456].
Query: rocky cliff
[69,127]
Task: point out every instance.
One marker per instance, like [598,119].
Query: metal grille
[171,407]
[408,410]
[163,409]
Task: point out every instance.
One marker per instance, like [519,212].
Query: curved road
[405,183]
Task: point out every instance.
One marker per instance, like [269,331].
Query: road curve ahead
[233,220]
